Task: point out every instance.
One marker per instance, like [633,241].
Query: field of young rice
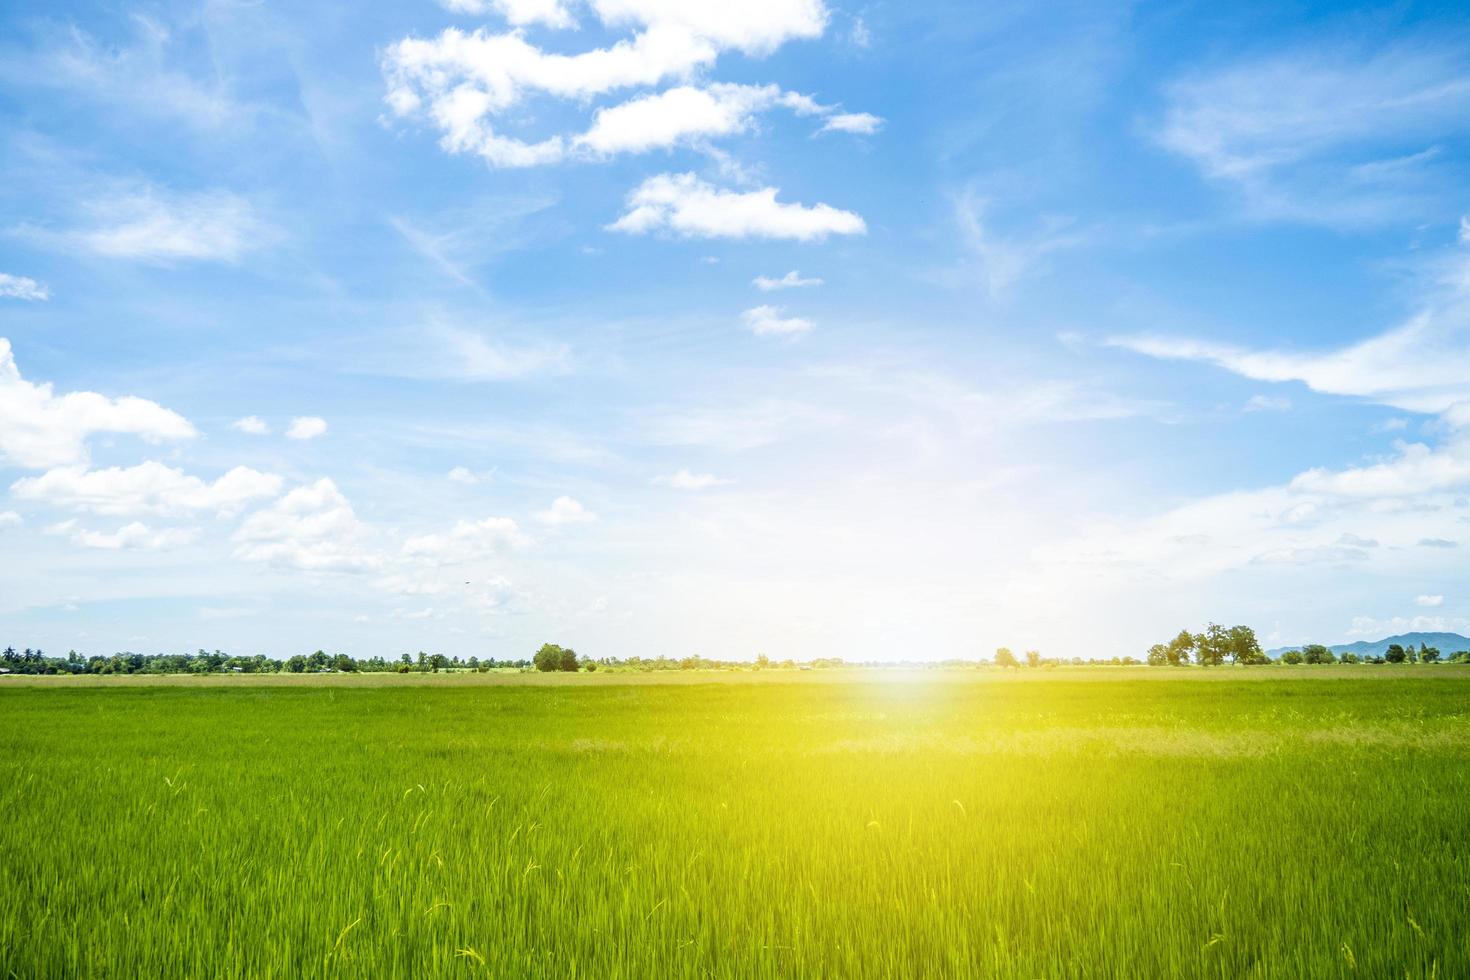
[1291,823]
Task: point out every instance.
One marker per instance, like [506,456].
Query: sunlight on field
[931,824]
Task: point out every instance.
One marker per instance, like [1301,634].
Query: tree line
[1238,645]
[30,661]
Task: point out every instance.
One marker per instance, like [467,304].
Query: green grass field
[1227,823]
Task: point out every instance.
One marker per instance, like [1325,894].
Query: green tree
[1004,658]
[1395,654]
[1316,653]
[1180,648]
[569,661]
[548,658]
[1429,654]
[1212,646]
[1158,655]
[1243,648]
[1349,658]
[1292,657]
[1033,658]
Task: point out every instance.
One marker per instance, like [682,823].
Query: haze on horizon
[875,330]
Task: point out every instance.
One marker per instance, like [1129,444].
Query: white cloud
[864,123]
[39,429]
[1464,230]
[312,528]
[251,424]
[148,488]
[1325,134]
[519,13]
[153,225]
[1002,259]
[21,287]
[307,427]
[472,356]
[9,518]
[158,74]
[792,280]
[1316,554]
[1266,403]
[1422,365]
[687,206]
[1429,601]
[565,510]
[686,480]
[462,81]
[1417,469]
[468,540]
[767,320]
[463,475]
[135,536]
[683,114]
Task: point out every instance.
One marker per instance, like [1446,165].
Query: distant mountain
[1447,643]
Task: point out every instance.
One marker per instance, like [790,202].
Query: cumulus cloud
[148,488]
[686,480]
[9,518]
[767,320]
[565,510]
[22,287]
[135,536]
[40,429]
[690,207]
[1429,601]
[251,424]
[1438,543]
[312,528]
[463,475]
[307,427]
[683,114]
[1416,470]
[464,82]
[468,540]
[792,280]
[162,227]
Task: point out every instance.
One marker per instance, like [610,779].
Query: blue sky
[874,330]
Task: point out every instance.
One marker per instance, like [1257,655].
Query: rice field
[1098,823]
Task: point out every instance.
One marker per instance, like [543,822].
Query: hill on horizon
[1447,643]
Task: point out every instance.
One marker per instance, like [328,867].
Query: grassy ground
[1067,823]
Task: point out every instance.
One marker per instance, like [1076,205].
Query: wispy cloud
[792,280]
[150,224]
[688,480]
[1328,134]
[1001,260]
[22,287]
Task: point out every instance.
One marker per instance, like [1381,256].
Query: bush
[1292,657]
